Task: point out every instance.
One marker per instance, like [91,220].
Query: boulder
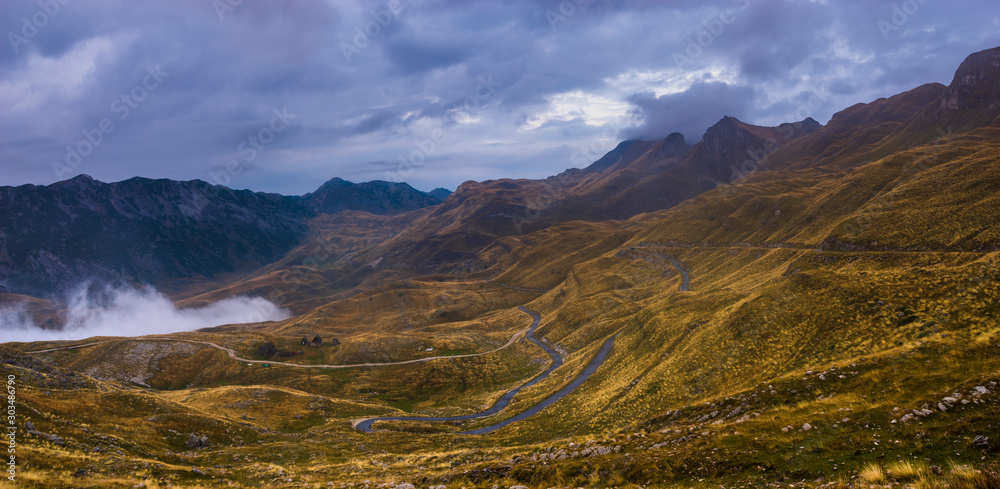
[981,442]
[194,441]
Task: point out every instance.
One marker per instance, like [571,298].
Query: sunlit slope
[788,274]
[904,201]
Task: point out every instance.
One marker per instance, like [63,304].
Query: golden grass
[964,477]
[906,470]
[873,473]
[710,377]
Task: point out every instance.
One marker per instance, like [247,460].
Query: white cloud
[133,312]
[593,109]
[60,79]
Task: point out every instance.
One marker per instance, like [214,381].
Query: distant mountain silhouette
[148,231]
[377,197]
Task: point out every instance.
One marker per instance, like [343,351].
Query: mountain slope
[138,230]
[635,177]
[168,233]
[841,318]
[376,197]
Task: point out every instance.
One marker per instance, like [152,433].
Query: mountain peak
[376,197]
[80,181]
[337,181]
[976,85]
[440,193]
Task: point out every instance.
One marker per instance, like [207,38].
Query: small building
[317,341]
[266,350]
[305,341]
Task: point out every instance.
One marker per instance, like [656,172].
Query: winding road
[501,404]
[232,353]
[685,276]
[557,360]
[602,354]
[61,348]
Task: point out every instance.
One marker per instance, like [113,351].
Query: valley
[827,319]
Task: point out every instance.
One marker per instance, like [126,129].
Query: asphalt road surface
[602,354]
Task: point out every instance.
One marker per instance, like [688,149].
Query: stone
[936,470]
[198,471]
[942,407]
[194,441]
[981,442]
[29,426]
[807,427]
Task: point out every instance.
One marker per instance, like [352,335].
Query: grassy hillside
[839,330]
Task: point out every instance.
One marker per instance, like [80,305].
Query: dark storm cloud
[411,84]
[688,112]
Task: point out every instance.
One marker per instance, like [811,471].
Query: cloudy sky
[283,95]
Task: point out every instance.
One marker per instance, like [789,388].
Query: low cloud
[133,312]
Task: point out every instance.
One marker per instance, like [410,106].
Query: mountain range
[803,305]
[156,231]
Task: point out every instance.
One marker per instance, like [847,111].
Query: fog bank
[133,312]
